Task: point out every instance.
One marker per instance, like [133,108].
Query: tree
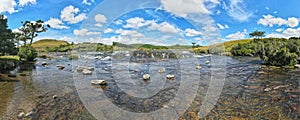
[257,34]
[7,43]
[28,32]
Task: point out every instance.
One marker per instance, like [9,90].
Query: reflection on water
[250,91]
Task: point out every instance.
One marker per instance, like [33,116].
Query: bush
[27,53]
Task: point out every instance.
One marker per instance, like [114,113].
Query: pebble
[146,76]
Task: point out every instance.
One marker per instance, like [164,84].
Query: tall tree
[7,43]
[30,30]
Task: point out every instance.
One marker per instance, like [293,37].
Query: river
[249,90]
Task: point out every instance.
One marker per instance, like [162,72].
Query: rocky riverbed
[250,91]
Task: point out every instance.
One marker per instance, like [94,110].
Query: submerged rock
[198,66]
[44,63]
[21,115]
[87,72]
[267,89]
[170,77]
[146,76]
[162,70]
[98,82]
[82,68]
[60,67]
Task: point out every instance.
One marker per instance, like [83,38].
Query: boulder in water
[146,76]
[297,66]
[60,67]
[87,72]
[98,82]
[44,63]
[207,62]
[162,70]
[170,77]
[21,115]
[198,66]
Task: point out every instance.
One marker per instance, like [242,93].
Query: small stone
[60,67]
[207,62]
[54,96]
[21,115]
[29,114]
[87,72]
[267,89]
[44,64]
[170,77]
[146,76]
[162,70]
[261,72]
[98,82]
[198,66]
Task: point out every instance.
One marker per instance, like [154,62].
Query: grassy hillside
[51,45]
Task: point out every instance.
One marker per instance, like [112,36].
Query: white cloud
[68,15]
[222,27]
[183,8]
[8,6]
[130,33]
[86,2]
[164,27]
[100,19]
[292,32]
[199,39]
[108,30]
[279,30]
[192,32]
[137,22]
[84,32]
[26,2]
[56,23]
[237,10]
[287,33]
[267,8]
[269,20]
[237,36]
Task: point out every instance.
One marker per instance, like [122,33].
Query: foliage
[257,34]
[7,43]
[30,30]
[27,53]
[273,51]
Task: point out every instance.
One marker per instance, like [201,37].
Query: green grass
[11,57]
[47,45]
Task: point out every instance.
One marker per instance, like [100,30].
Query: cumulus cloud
[86,2]
[137,22]
[164,27]
[56,23]
[69,13]
[108,30]
[269,20]
[192,32]
[236,36]
[238,10]
[222,27]
[287,33]
[100,19]
[130,33]
[8,6]
[84,32]
[26,2]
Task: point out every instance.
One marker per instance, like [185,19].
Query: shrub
[27,53]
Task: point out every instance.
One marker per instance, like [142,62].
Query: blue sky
[161,22]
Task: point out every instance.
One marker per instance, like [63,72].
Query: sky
[161,22]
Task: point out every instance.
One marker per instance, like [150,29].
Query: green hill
[51,45]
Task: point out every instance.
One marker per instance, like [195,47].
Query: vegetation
[28,32]
[273,51]
[51,45]
[7,42]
